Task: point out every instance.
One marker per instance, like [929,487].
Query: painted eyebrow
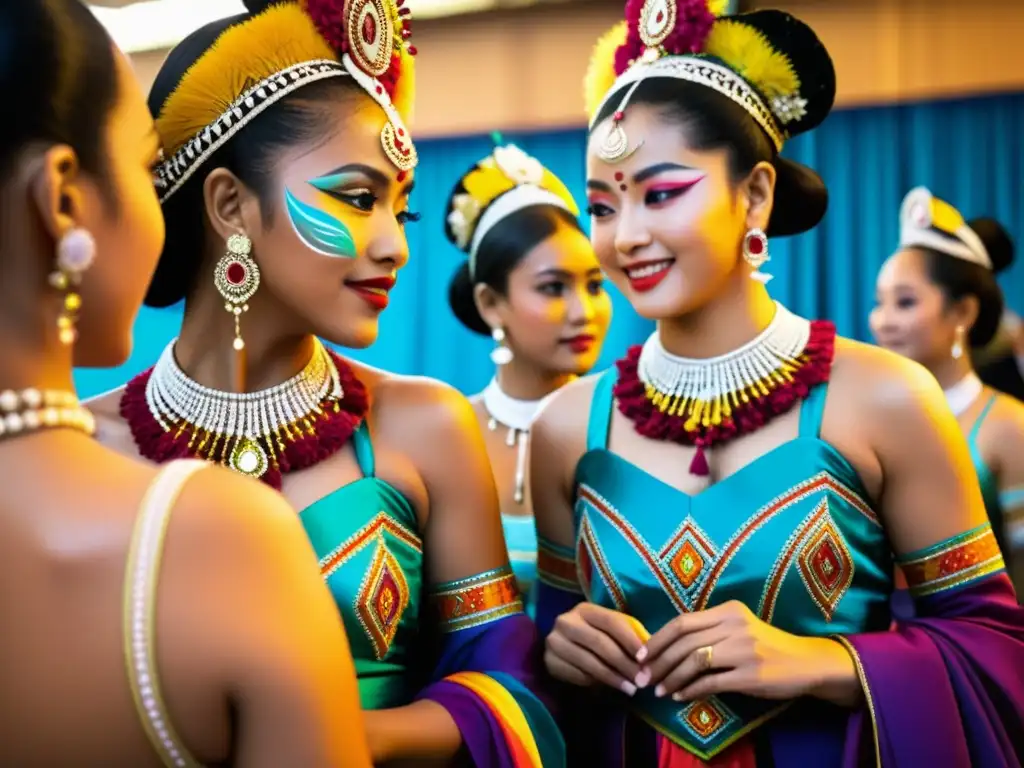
[641,176]
[373,174]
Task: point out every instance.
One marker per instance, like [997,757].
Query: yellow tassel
[749,53]
[600,75]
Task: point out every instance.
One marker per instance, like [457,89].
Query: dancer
[717,517]
[117,652]
[937,299]
[286,196]
[532,283]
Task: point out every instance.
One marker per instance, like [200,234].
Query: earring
[958,345]
[237,277]
[501,354]
[755,253]
[76,252]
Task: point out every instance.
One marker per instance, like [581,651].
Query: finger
[702,660]
[674,659]
[589,663]
[602,645]
[730,681]
[623,629]
[678,627]
[562,670]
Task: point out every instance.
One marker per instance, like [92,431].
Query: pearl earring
[501,354]
[958,346]
[76,252]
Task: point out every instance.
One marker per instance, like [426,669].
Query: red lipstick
[645,276]
[374,290]
[581,343]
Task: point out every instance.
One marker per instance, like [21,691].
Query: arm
[263,626]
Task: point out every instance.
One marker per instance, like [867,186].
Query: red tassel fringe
[331,430]
[651,422]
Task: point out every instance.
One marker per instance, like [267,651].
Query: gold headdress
[927,222]
[768,62]
[504,182]
[279,48]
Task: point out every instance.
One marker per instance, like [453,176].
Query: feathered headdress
[505,181]
[280,46]
[927,222]
[768,62]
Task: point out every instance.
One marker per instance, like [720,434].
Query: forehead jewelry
[614,147]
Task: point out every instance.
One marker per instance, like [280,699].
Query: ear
[759,190]
[965,311]
[230,205]
[57,191]
[490,304]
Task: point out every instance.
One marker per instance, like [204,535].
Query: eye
[408,217]
[360,199]
[906,302]
[551,289]
[664,194]
[595,287]
[599,210]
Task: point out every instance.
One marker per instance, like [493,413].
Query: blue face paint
[318,230]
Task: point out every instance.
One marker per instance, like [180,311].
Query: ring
[708,653]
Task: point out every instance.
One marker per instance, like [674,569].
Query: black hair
[959,278]
[58,73]
[250,155]
[713,121]
[501,250]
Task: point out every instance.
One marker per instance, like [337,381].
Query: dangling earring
[76,252]
[755,253]
[958,345]
[237,277]
[501,354]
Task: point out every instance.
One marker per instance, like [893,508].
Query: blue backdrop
[969,152]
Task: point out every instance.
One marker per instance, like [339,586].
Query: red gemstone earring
[237,277]
[755,253]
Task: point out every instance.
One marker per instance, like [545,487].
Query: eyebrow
[374,175]
[647,173]
[559,272]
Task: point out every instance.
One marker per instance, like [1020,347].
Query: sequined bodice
[371,558]
[789,535]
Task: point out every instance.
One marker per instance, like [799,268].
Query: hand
[591,644]
[726,649]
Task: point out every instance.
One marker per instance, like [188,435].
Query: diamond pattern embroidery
[826,566]
[382,599]
[690,557]
[706,718]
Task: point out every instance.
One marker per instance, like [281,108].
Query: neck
[522,381]
[951,371]
[205,353]
[723,324]
[34,360]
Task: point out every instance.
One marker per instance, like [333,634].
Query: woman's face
[556,311]
[911,315]
[667,225]
[331,250]
[127,224]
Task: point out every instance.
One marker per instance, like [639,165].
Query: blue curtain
[969,152]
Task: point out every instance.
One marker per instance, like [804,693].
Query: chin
[358,335]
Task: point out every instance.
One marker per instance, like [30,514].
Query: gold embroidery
[825,565]
[477,600]
[382,599]
[954,562]
[600,563]
[556,568]
[332,561]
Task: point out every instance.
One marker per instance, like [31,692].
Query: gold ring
[708,653]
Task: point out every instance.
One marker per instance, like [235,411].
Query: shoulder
[420,403]
[1003,429]
[566,411]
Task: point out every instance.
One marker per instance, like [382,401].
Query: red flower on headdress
[694,20]
[329,17]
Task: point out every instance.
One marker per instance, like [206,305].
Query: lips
[580,344]
[646,275]
[374,290]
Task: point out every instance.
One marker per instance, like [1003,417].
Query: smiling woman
[286,196]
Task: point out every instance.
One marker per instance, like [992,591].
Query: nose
[581,310]
[389,246]
[631,235]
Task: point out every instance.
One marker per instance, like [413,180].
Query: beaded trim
[141,578]
[955,562]
[556,566]
[478,600]
[180,166]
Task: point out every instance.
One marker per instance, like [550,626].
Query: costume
[793,535]
[466,645]
[506,181]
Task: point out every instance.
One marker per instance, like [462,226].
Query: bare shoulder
[1003,431]
[566,411]
[420,405]
[111,428]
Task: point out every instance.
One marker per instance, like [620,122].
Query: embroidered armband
[477,600]
[556,566]
[955,562]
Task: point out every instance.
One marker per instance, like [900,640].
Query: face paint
[320,231]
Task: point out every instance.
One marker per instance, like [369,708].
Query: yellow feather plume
[552,183]
[600,75]
[279,37]
[484,184]
[945,217]
[405,88]
[749,53]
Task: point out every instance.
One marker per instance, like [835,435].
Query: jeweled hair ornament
[506,181]
[768,62]
[927,222]
[261,57]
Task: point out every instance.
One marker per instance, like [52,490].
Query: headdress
[505,181]
[227,73]
[768,62]
[927,222]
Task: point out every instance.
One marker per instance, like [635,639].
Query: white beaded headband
[917,230]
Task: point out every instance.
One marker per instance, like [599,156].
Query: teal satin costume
[988,481]
[791,535]
[521,540]
[371,557]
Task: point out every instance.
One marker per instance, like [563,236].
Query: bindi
[620,177]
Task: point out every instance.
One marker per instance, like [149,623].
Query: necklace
[962,394]
[34,409]
[262,434]
[517,415]
[705,402]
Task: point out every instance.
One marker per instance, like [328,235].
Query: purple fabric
[481,732]
[948,686]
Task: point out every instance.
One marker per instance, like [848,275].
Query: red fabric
[739,755]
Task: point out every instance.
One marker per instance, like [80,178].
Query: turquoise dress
[521,540]
[986,478]
[792,535]
[371,557]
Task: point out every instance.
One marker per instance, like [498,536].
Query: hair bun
[258,6]
[997,242]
